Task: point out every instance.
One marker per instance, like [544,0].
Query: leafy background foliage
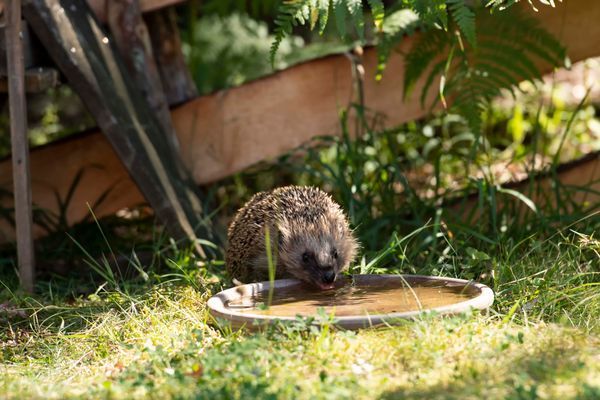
[225,51]
[472,52]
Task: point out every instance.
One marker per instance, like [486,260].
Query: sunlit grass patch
[162,344]
[79,345]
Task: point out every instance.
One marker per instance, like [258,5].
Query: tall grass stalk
[271,263]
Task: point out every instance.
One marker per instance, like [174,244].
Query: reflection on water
[380,296]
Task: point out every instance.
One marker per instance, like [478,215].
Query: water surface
[376,296]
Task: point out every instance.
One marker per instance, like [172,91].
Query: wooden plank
[177,81]
[133,41]
[90,61]
[100,7]
[54,169]
[19,145]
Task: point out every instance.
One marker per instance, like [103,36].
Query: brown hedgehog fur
[310,236]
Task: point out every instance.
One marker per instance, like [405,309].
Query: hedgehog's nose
[329,276]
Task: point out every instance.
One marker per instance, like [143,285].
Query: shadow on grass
[525,375]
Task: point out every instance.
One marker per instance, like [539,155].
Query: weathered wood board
[37,80]
[177,81]
[100,6]
[15,61]
[225,132]
[131,36]
[29,56]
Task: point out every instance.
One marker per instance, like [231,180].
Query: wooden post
[177,81]
[20,146]
[90,60]
[124,18]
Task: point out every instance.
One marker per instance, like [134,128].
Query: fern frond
[317,12]
[472,112]
[417,14]
[289,12]
[323,7]
[394,28]
[431,12]
[314,13]
[427,48]
[341,14]
[464,18]
[498,76]
[356,14]
[510,25]
[500,53]
[504,4]
[377,12]
[509,49]
[470,102]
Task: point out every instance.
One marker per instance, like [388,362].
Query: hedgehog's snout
[326,278]
[329,276]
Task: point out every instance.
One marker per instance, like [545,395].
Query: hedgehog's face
[317,254]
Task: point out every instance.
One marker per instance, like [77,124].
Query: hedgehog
[310,236]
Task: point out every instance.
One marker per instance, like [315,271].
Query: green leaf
[526,200]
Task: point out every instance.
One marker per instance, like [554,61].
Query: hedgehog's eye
[305,257]
[334,254]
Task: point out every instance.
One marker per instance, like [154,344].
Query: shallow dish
[358,301]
